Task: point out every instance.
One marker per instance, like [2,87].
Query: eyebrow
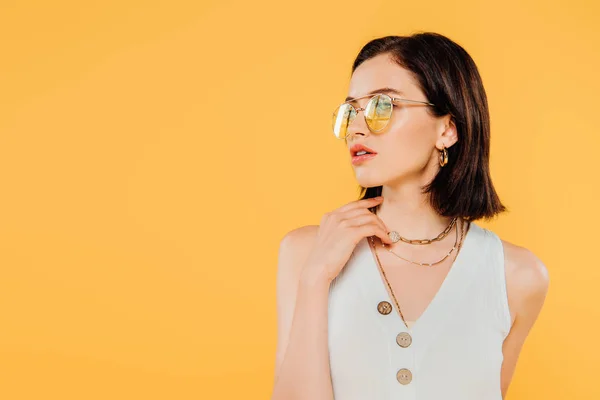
[381,90]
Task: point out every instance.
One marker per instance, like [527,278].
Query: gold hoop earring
[443,156]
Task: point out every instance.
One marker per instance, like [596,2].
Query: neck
[407,211]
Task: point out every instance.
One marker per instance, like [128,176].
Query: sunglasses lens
[378,112]
[342,117]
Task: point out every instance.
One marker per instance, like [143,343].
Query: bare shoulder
[294,249]
[527,279]
[296,243]
[304,235]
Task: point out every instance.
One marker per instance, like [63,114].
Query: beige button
[403,339]
[384,307]
[404,376]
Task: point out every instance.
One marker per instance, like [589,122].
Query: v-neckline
[455,270]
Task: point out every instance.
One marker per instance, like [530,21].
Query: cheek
[410,146]
[412,128]
[405,148]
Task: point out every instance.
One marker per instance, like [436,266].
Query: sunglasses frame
[357,110]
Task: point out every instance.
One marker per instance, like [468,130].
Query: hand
[339,233]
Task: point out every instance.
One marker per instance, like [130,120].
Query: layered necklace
[457,246]
[395,237]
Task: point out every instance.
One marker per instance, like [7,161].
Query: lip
[360,159]
[355,148]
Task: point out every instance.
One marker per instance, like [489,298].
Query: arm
[527,283]
[302,355]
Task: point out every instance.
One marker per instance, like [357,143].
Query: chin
[368,179]
[373,177]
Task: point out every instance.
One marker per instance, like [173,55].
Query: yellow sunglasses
[377,113]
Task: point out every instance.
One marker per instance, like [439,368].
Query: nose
[358,127]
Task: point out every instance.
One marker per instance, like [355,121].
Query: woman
[400,294]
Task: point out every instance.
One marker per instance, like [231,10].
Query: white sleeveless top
[452,352]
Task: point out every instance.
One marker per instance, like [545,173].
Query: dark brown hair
[449,78]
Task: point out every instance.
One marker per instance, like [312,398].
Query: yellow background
[145,186]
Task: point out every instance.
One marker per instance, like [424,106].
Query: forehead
[380,72]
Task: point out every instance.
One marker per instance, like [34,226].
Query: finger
[369,221]
[374,230]
[361,212]
[363,203]
[358,221]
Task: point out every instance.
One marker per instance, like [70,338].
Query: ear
[448,135]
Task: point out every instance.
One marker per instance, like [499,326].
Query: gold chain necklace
[427,264]
[395,236]
[385,277]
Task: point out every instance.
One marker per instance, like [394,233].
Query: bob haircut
[449,78]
